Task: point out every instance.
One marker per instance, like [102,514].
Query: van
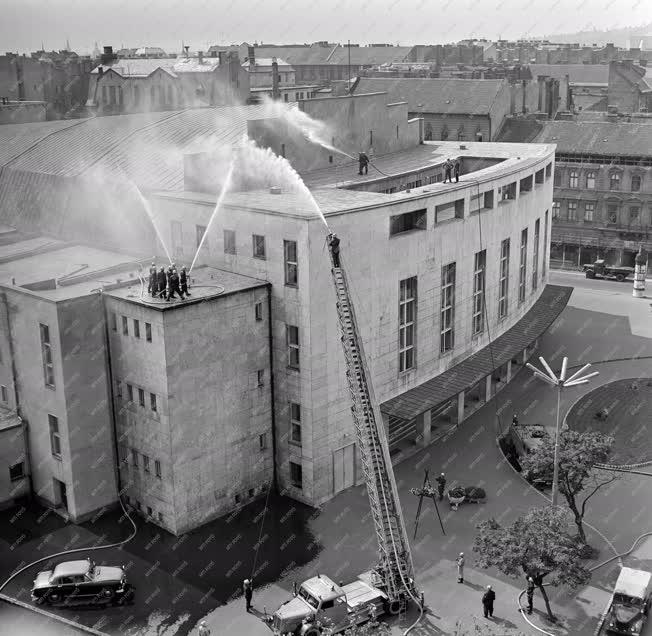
[630,603]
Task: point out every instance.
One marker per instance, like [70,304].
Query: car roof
[71,568]
[633,583]
[322,587]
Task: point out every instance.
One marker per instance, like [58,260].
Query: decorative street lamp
[561,383]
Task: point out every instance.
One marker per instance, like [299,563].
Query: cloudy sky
[165,23]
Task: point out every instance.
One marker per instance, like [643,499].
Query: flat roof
[9,419]
[205,282]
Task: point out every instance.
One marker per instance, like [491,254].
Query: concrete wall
[448,127]
[22,112]
[623,86]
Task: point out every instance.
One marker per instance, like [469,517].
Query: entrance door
[343,468]
[62,494]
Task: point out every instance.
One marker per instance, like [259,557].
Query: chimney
[251,56]
[200,56]
[220,55]
[108,56]
[275,92]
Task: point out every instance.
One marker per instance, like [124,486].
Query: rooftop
[577,73]
[440,95]
[267,62]
[143,67]
[72,568]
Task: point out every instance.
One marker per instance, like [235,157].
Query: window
[259,246]
[572,210]
[118,388]
[136,328]
[508,191]
[200,230]
[489,199]
[479,267]
[237,499]
[535,255]
[5,395]
[146,463]
[526,184]
[589,209]
[295,423]
[448,211]
[55,439]
[574,179]
[636,183]
[460,134]
[285,97]
[407,222]
[229,242]
[548,170]
[522,273]
[447,333]
[138,505]
[152,402]
[292,338]
[614,181]
[149,511]
[261,377]
[258,311]
[157,467]
[250,492]
[407,311]
[262,441]
[160,517]
[590,180]
[634,214]
[545,247]
[557,181]
[538,176]
[148,332]
[125,326]
[291,266]
[503,282]
[296,475]
[17,471]
[134,457]
[612,213]
[114,321]
[130,393]
[555,209]
[46,353]
[141,397]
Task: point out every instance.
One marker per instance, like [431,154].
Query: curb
[60,619]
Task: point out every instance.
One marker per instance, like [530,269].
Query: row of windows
[589,180]
[586,210]
[139,506]
[408,296]
[131,395]
[135,328]
[139,458]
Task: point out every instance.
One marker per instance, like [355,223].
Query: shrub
[475,492]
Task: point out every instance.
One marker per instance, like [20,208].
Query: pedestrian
[448,167]
[441,485]
[460,568]
[515,420]
[488,599]
[334,243]
[204,630]
[457,170]
[363,160]
[151,287]
[530,594]
[183,281]
[248,592]
[173,284]
[161,283]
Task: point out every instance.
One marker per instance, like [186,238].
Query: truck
[601,269]
[631,602]
[320,603]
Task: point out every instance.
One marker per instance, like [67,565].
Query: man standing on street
[441,485]
[488,599]
[248,592]
[204,630]
[448,167]
[460,568]
[457,170]
[530,594]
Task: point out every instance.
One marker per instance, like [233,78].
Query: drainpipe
[271,387]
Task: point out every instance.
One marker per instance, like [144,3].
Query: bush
[475,492]
[456,492]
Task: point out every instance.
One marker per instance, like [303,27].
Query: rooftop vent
[275,190]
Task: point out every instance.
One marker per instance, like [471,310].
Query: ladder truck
[319,603]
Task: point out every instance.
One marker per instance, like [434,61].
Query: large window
[535,254]
[508,191]
[292,337]
[522,272]
[17,471]
[589,210]
[291,263]
[555,209]
[479,267]
[503,282]
[574,179]
[407,310]
[590,180]
[296,475]
[259,246]
[407,222]
[46,354]
[229,242]
[636,183]
[55,439]
[447,332]
[612,213]
[295,423]
[572,210]
[614,181]
[634,215]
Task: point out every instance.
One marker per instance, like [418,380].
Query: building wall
[12,451]
[260,76]
[22,112]
[623,86]
[438,126]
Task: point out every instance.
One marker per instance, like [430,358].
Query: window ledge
[295,369]
[406,232]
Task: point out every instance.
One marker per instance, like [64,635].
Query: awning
[476,367]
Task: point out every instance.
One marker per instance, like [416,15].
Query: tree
[579,480]
[537,544]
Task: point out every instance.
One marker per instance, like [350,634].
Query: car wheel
[620,278]
[53,598]
[312,631]
[40,600]
[106,595]
[590,274]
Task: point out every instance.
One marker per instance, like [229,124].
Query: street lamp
[561,383]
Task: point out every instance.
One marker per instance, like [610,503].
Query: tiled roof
[598,138]
[577,73]
[459,96]
[466,374]
[519,130]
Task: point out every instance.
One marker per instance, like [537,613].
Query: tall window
[522,273]
[545,247]
[141,398]
[229,242]
[295,423]
[130,393]
[634,215]
[612,213]
[157,468]
[55,439]
[259,246]
[146,463]
[134,457]
[572,210]
[589,210]
[292,337]
[557,180]
[200,230]
[407,309]
[555,209]
[291,263]
[614,181]
[136,328]
[114,321]
[148,332]
[46,354]
[636,183]
[479,267]
[296,475]
[535,255]
[590,180]
[447,333]
[574,179]
[503,282]
[152,402]
[125,326]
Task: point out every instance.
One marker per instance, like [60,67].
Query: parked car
[82,581]
[631,602]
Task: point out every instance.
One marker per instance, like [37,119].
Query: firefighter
[151,287]
[460,568]
[488,599]
[448,167]
[334,243]
[363,160]
[161,283]
[248,593]
[173,285]
[530,594]
[183,281]
[456,170]
[441,485]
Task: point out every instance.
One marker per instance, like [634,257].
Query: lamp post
[561,383]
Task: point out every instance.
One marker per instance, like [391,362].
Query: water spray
[150,215]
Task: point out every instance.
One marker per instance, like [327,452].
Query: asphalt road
[579,280]
[18,621]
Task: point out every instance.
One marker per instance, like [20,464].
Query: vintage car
[82,581]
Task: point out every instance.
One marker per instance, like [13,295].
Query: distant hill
[620,37]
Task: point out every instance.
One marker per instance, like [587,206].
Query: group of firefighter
[165,284]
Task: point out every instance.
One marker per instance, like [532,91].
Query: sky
[200,23]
